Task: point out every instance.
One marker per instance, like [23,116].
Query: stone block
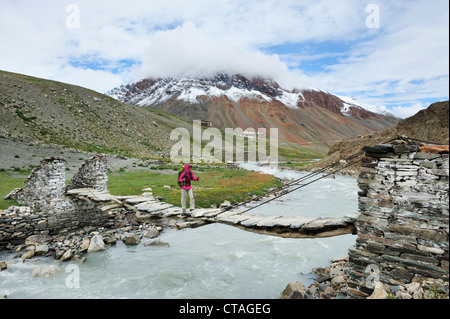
[405,148]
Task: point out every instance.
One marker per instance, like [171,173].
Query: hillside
[431,124]
[51,112]
[305,117]
[36,112]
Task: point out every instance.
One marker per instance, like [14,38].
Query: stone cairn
[403,226]
[50,221]
[46,181]
[44,206]
[92,174]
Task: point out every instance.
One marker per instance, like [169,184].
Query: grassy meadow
[214,187]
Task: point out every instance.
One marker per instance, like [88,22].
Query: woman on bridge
[184,180]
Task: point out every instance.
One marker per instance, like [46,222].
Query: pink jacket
[186,177]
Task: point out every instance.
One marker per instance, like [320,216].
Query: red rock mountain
[305,117]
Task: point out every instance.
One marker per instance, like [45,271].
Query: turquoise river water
[212,261]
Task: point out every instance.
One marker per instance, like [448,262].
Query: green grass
[297,153]
[9,181]
[215,185]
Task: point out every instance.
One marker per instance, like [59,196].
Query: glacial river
[213,261]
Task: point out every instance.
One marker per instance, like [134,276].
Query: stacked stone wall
[62,215]
[92,174]
[46,181]
[45,209]
[403,226]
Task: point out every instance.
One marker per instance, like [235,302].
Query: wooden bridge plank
[228,213]
[152,207]
[201,212]
[268,221]
[336,222]
[316,224]
[81,191]
[213,212]
[252,220]
[234,219]
[172,211]
[137,200]
[300,221]
[109,207]
[285,221]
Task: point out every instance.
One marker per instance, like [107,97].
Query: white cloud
[187,50]
[407,111]
[403,62]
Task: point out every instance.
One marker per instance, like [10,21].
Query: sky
[391,54]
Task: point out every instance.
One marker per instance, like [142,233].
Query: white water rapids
[212,261]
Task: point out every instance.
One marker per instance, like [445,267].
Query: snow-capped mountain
[352,102]
[189,89]
[305,117]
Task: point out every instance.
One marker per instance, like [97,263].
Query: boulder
[27,255]
[85,244]
[41,249]
[402,295]
[379,292]
[111,240]
[156,242]
[67,255]
[151,233]
[96,244]
[132,239]
[415,290]
[338,281]
[45,271]
[288,292]
[37,239]
[329,291]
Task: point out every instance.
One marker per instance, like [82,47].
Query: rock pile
[331,283]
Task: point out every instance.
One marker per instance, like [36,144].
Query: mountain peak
[303,116]
[153,92]
[150,92]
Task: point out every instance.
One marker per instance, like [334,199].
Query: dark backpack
[180,171]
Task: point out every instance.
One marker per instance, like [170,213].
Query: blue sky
[391,54]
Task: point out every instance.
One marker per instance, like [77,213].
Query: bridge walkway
[148,208]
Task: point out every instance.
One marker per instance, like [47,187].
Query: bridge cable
[301,186]
[297,181]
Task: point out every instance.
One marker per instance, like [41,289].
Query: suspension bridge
[149,208]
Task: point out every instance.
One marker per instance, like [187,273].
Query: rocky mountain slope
[304,117]
[430,125]
[51,112]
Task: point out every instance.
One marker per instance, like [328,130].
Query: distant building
[206,123]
